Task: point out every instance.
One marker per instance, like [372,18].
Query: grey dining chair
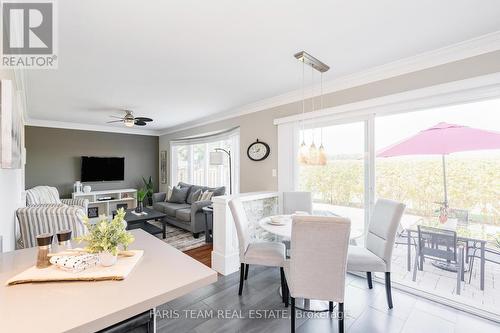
[262,253]
[440,245]
[297,201]
[318,263]
[376,255]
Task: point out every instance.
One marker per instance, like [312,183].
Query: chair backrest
[42,195]
[297,201]
[382,229]
[318,257]
[242,225]
[437,243]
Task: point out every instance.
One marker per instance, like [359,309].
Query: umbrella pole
[444,183]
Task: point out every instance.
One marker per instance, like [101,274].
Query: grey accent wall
[53,157]
[257,176]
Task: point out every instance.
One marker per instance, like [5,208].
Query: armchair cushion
[84,203]
[50,218]
[40,195]
[360,259]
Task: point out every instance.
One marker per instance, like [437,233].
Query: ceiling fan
[129,120]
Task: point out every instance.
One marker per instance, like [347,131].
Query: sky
[349,138]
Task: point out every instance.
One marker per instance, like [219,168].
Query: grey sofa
[188,215]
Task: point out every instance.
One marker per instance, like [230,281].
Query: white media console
[99,204]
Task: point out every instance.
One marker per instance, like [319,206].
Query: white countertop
[163,274]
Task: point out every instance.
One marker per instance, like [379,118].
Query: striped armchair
[45,212]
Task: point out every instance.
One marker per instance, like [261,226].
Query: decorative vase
[140,207]
[107,259]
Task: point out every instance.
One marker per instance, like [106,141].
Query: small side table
[209,216]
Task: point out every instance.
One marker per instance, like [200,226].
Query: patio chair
[491,255]
[439,245]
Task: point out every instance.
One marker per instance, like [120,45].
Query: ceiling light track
[309,60]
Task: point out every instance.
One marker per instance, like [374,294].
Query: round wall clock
[258,151]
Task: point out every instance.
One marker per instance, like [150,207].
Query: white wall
[11,186]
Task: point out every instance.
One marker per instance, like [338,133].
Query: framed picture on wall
[93,212]
[11,127]
[163,166]
[122,205]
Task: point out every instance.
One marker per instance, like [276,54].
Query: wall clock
[258,151]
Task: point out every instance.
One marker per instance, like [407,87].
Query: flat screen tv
[97,169]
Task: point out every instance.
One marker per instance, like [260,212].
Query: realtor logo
[28,31]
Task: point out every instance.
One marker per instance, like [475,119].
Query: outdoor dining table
[462,236]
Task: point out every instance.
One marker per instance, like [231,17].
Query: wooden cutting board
[118,271]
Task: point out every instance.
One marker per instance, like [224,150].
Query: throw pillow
[169,194]
[194,196]
[207,195]
[179,194]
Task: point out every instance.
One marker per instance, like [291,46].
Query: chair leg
[246,271]
[282,278]
[341,317]
[369,279]
[388,289]
[286,292]
[330,306]
[242,277]
[292,315]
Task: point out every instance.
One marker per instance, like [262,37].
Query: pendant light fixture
[311,155]
[303,148]
[321,150]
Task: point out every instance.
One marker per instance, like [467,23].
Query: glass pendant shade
[321,155]
[303,153]
[313,154]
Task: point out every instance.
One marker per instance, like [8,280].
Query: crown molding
[455,52]
[88,127]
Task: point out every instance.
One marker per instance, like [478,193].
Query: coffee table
[141,221]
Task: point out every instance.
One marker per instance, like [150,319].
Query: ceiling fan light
[129,122]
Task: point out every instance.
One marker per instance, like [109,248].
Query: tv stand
[99,202]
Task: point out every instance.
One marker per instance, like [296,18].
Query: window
[190,160]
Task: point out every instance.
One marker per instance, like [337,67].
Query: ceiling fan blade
[143,119]
[140,123]
[116,117]
[114,121]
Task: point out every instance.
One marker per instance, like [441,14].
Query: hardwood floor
[203,254]
[218,308]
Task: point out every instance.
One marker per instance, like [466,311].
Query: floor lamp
[217,158]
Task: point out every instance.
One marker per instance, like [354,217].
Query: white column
[225,254]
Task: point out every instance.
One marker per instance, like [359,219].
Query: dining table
[284,231]
[465,235]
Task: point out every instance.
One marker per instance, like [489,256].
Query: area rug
[181,239]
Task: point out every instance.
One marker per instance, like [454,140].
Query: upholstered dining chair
[318,262]
[262,253]
[376,255]
[297,201]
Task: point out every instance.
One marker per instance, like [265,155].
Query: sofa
[45,212]
[187,215]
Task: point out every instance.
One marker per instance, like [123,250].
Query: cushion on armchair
[41,195]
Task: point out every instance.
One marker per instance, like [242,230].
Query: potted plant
[148,185]
[141,195]
[104,237]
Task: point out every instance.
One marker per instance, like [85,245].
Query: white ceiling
[177,61]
